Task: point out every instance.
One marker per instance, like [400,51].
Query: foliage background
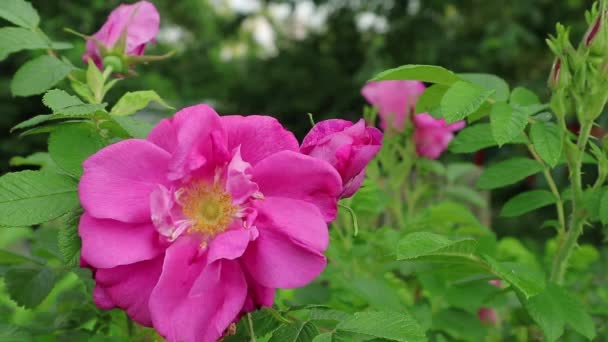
[321,55]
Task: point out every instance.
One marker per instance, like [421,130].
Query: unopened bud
[559,78]
[113,61]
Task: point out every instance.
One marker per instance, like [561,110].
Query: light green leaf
[29,286]
[491,83]
[526,202]
[40,159]
[430,100]
[325,337]
[507,172]
[424,73]
[20,13]
[38,75]
[57,100]
[421,244]
[555,308]
[459,324]
[456,171]
[131,102]
[40,119]
[523,97]
[68,155]
[462,99]
[528,280]
[300,331]
[395,326]
[14,39]
[33,197]
[547,141]
[95,80]
[507,122]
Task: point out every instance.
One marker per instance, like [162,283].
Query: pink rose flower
[346,146]
[202,221]
[394,100]
[432,136]
[139,22]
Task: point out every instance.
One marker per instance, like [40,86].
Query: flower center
[208,207]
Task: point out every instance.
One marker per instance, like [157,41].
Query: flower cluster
[396,105]
[199,223]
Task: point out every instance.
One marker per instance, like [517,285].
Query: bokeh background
[289,58]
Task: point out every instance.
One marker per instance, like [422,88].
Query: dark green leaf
[547,141]
[526,279]
[300,331]
[508,172]
[33,197]
[555,308]
[69,242]
[507,122]
[489,82]
[38,75]
[462,99]
[430,100]
[526,202]
[476,137]
[395,326]
[68,155]
[29,286]
[422,244]
[424,73]
[523,97]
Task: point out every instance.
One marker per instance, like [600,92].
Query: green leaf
[68,155]
[300,331]
[507,122]
[459,324]
[33,197]
[547,141]
[395,326]
[507,172]
[528,280]
[40,159]
[69,241]
[603,210]
[20,13]
[461,100]
[465,193]
[38,75]
[29,286]
[57,100]
[422,244]
[526,202]
[41,119]
[14,39]
[523,97]
[430,100]
[491,83]
[325,337]
[555,308]
[13,333]
[424,73]
[95,80]
[131,102]
[477,137]
[10,258]
[456,171]
[133,127]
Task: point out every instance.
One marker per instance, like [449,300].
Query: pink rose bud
[593,30]
[487,316]
[432,136]
[346,146]
[126,32]
[394,100]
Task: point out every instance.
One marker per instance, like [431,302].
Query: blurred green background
[289,58]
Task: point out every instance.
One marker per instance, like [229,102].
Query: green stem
[566,247]
[559,205]
[250,328]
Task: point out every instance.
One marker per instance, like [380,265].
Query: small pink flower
[394,100]
[432,136]
[346,146]
[139,22]
[487,316]
[200,223]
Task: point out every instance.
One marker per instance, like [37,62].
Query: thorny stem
[564,251]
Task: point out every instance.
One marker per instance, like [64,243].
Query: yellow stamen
[209,208]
